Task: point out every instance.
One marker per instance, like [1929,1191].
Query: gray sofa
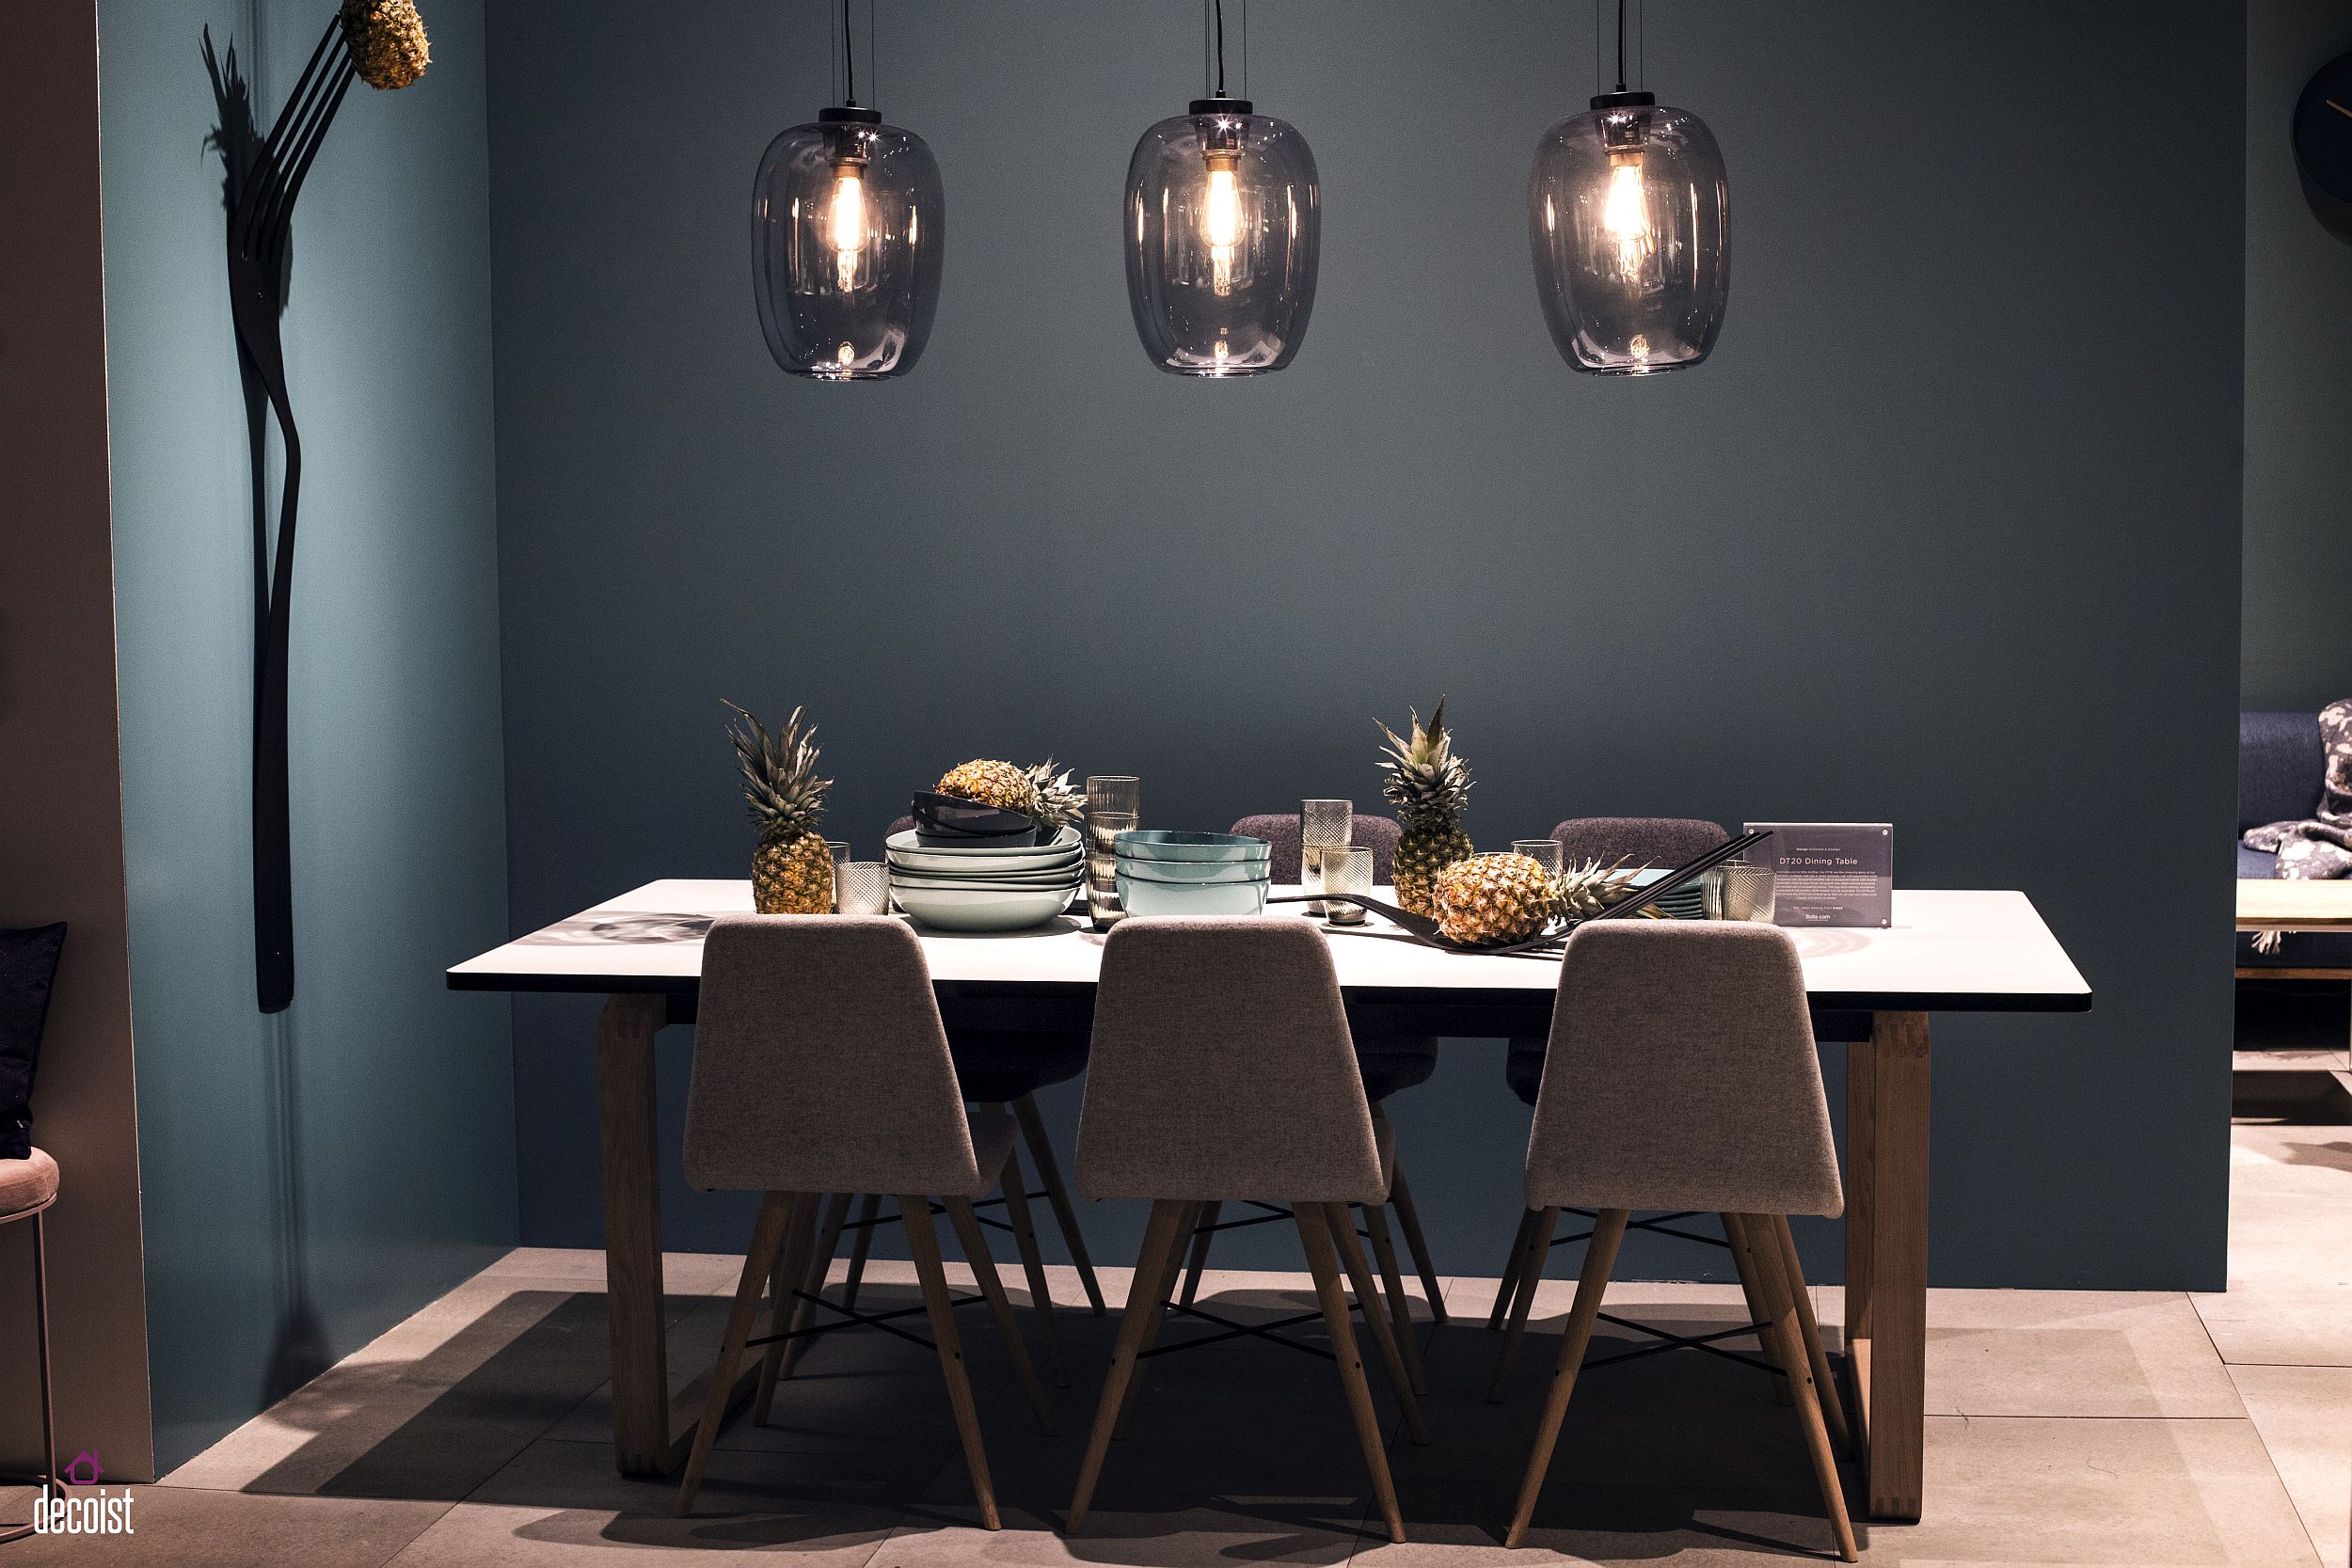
[2280,766]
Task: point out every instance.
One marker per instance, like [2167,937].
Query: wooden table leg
[633,1232]
[1886,1256]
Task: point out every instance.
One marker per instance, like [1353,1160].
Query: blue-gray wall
[2298,379]
[313,1178]
[1946,533]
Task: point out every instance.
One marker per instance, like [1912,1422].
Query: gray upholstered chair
[1684,1076]
[1388,1063]
[1222,1071]
[821,1067]
[1660,841]
[999,1068]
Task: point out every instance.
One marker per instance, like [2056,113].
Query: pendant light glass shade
[1224,221]
[849,227]
[1628,212]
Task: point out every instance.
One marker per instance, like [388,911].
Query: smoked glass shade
[849,225]
[1223,219]
[1627,212]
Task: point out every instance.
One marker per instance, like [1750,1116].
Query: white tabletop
[1957,950]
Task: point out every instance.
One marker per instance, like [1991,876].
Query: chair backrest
[1681,1074]
[1221,1068]
[1637,840]
[819,1063]
[1280,829]
[2281,765]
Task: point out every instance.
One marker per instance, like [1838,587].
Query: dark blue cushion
[2256,866]
[2299,950]
[1395,1062]
[1523,1067]
[994,1066]
[2280,766]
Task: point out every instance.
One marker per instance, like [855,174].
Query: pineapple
[1583,890]
[1059,803]
[993,783]
[1494,898]
[1429,785]
[1488,899]
[791,870]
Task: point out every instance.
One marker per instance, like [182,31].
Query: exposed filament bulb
[849,220]
[1220,217]
[1625,213]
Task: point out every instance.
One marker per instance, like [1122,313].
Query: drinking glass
[1346,869]
[1114,792]
[1739,892]
[1102,831]
[862,887]
[1543,852]
[840,847]
[1322,825]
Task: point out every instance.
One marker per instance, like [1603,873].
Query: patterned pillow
[28,961]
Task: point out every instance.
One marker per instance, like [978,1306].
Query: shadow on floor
[1243,1448]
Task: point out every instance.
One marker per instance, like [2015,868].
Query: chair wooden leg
[789,1274]
[1163,1236]
[1824,1381]
[1157,1297]
[1315,1233]
[1744,1258]
[1507,1291]
[1033,1265]
[767,1233]
[1203,1232]
[1049,1171]
[868,1209]
[1532,1255]
[819,1265]
[1780,1300]
[1600,1256]
[1416,1245]
[1392,1285]
[1341,1221]
[974,1240]
[923,1242]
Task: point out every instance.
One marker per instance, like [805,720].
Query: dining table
[1874,989]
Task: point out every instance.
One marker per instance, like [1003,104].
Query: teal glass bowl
[1198,900]
[1195,871]
[1164,843]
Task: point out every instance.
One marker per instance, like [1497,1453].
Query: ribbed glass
[1224,220]
[1627,212]
[848,227]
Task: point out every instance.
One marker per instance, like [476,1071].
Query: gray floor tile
[2064,1353]
[562,1503]
[188,1527]
[2289,1300]
[2304,1417]
[2184,1494]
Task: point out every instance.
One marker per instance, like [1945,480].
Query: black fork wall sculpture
[265,178]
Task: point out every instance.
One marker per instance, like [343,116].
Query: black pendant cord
[1621,45]
[1221,48]
[848,56]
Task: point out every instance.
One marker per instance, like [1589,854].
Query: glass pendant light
[1628,213]
[848,227]
[1223,221]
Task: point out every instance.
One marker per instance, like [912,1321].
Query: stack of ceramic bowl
[945,822]
[983,886]
[1192,874]
[1687,902]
